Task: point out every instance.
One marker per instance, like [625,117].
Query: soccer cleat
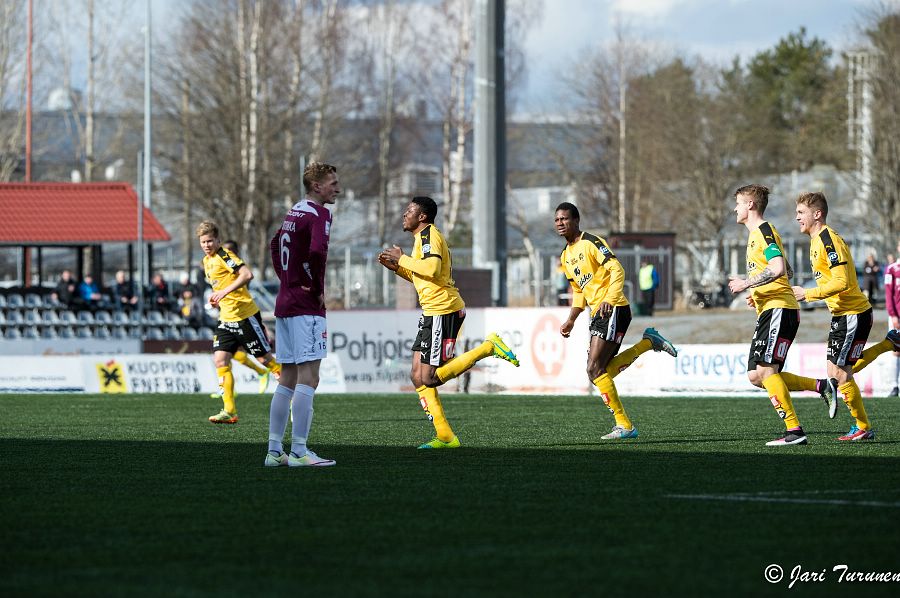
[856,434]
[894,337]
[309,459]
[437,443]
[223,417]
[827,388]
[659,342]
[620,432]
[215,395]
[797,436]
[501,350]
[273,461]
[263,382]
[894,392]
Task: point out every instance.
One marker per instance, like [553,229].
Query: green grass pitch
[139,495]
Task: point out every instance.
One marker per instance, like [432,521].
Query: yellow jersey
[221,270]
[763,245]
[594,273]
[429,268]
[835,274]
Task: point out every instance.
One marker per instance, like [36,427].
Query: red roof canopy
[73,214]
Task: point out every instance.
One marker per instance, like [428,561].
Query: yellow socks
[610,395]
[459,365]
[869,355]
[624,359]
[431,404]
[250,362]
[795,382]
[854,401]
[781,400]
[226,385]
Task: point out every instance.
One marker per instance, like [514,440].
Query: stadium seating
[33,300]
[49,317]
[154,318]
[15,301]
[30,314]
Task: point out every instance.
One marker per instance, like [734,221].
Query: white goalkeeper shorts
[300,339]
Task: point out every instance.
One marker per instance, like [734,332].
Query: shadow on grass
[166,518]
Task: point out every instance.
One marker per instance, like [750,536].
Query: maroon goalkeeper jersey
[299,250]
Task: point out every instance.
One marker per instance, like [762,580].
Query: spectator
[66,291]
[184,283]
[124,296]
[871,276]
[191,309]
[158,293]
[89,292]
[648,280]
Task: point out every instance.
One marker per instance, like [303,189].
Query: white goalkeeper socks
[302,414]
[279,410]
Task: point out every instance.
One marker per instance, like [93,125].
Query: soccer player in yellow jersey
[851,312]
[778,313]
[598,281]
[428,267]
[240,323]
[240,356]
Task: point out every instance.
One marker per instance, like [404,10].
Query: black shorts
[436,339]
[613,327]
[775,331]
[248,333]
[848,337]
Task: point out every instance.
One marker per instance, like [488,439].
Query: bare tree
[883,33]
[598,85]
[394,37]
[109,58]
[260,73]
[444,75]
[445,71]
[12,87]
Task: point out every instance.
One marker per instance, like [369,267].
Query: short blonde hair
[208,227]
[316,172]
[759,193]
[815,200]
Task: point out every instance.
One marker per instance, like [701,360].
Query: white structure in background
[860,66]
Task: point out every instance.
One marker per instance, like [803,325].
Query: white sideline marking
[768,497]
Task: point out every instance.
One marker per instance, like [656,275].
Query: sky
[717,30]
